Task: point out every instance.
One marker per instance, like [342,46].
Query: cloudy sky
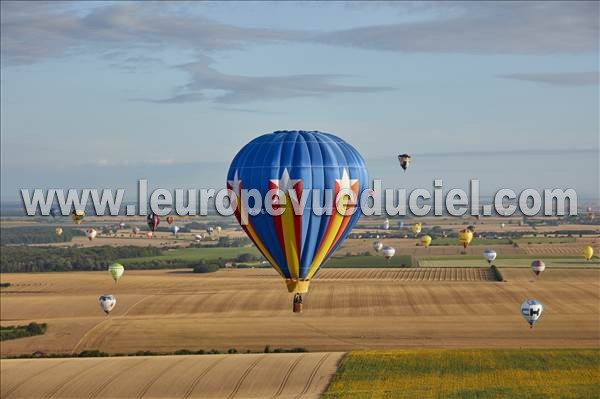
[101,94]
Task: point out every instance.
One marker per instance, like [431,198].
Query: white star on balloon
[285,183]
[235,183]
[345,182]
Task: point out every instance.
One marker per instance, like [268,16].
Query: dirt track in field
[345,309]
[292,375]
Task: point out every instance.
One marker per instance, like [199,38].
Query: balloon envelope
[77,216]
[91,233]
[426,240]
[531,310]
[538,266]
[588,252]
[416,228]
[388,252]
[297,243]
[116,270]
[489,255]
[107,302]
[153,221]
[465,237]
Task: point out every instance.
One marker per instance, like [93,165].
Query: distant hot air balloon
[537,266]
[386,224]
[153,221]
[465,237]
[590,214]
[531,310]
[404,160]
[388,253]
[489,255]
[107,302]
[170,219]
[91,233]
[588,252]
[416,228]
[54,212]
[116,270]
[77,216]
[377,246]
[175,230]
[297,245]
[426,240]
[58,231]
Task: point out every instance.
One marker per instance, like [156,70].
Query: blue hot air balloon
[54,212]
[308,163]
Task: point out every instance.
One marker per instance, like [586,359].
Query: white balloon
[91,233]
[107,302]
[388,252]
[489,255]
[531,310]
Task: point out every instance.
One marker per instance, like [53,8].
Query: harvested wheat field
[291,375]
[345,309]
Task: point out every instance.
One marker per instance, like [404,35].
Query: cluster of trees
[36,235]
[97,353]
[13,332]
[230,242]
[50,259]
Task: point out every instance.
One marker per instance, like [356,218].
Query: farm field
[464,374]
[346,309]
[551,262]
[282,375]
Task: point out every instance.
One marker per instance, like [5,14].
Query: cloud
[32,32]
[557,79]
[235,89]
[485,28]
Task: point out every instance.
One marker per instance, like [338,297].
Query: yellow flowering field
[453,374]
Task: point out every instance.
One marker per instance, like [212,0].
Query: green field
[464,374]
[194,254]
[509,261]
[29,330]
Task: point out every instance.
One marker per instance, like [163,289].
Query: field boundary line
[199,377]
[287,376]
[312,375]
[238,385]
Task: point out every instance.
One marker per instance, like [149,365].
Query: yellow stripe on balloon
[257,241]
[289,237]
[327,243]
